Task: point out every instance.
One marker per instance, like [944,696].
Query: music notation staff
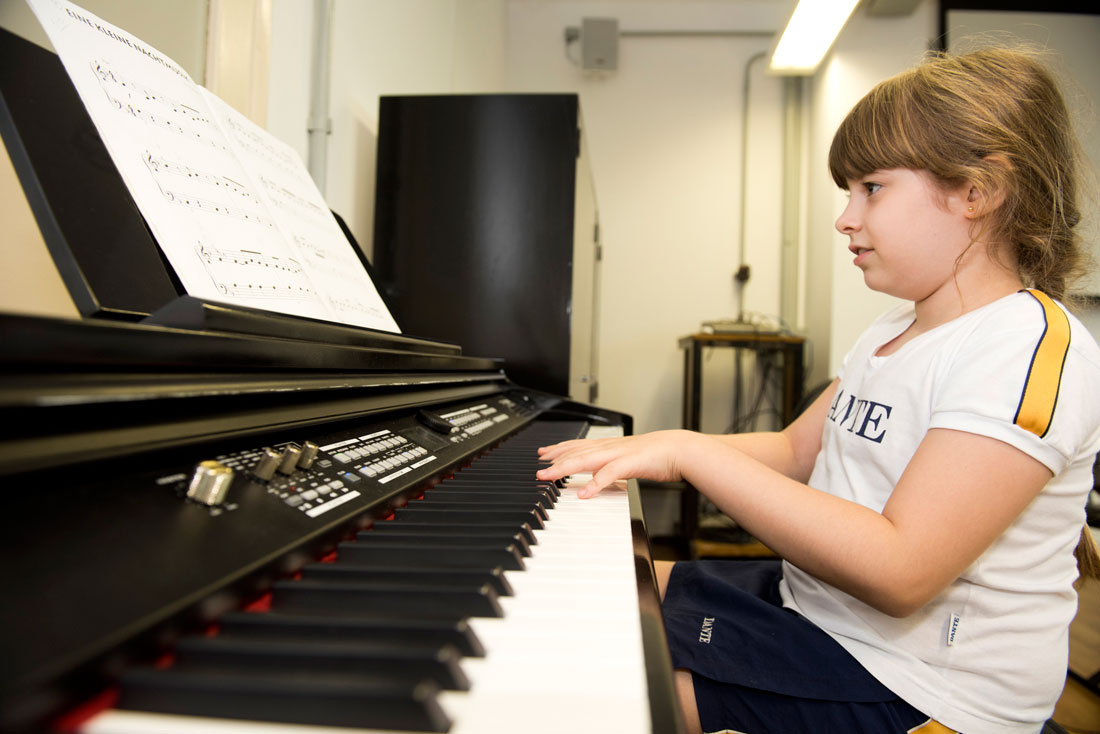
[210,192]
[255,274]
[257,145]
[142,103]
[281,196]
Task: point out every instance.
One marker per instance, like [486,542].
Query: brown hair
[995,119]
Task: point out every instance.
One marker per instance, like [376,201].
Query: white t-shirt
[989,653]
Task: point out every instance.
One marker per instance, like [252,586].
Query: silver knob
[268,463]
[290,459]
[309,454]
[210,482]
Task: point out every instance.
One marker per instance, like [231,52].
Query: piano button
[346,598]
[502,554]
[411,661]
[417,511]
[448,527]
[379,701]
[474,539]
[266,625]
[410,575]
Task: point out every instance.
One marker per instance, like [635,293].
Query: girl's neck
[952,302]
[975,285]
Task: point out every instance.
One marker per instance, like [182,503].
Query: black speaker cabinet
[486,232]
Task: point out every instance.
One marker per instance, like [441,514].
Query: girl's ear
[987,195]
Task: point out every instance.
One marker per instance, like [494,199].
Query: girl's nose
[847,222]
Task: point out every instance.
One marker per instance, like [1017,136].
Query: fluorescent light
[809,35]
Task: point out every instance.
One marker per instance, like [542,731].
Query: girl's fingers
[581,459]
[559,449]
[607,475]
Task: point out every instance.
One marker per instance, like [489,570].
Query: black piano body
[108,564]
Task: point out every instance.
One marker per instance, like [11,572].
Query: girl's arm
[959,492]
[790,452]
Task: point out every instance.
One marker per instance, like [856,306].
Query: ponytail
[1088,556]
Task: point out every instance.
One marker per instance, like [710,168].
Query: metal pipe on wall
[319,126]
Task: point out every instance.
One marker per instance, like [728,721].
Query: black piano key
[499,483]
[515,472]
[413,661]
[408,575]
[500,505]
[485,497]
[488,555]
[518,474]
[503,487]
[447,526]
[427,538]
[374,702]
[418,511]
[269,625]
[345,598]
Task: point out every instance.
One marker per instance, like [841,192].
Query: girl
[928,504]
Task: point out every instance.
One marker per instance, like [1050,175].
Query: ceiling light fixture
[810,33]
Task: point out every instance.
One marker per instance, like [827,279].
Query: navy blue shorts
[760,668]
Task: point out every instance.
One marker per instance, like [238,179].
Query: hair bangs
[877,134]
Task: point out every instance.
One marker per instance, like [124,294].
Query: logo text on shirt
[865,418]
[707,628]
[953,629]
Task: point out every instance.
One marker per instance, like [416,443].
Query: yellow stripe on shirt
[1036,409]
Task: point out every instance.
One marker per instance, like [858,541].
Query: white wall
[378,47]
[664,135]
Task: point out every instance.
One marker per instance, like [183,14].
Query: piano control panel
[319,474]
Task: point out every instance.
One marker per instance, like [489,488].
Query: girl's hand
[653,456]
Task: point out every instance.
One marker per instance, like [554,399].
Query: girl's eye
[871,187]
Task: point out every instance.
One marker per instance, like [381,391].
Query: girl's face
[905,233]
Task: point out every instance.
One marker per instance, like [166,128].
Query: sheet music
[233,209]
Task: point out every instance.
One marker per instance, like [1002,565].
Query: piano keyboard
[494,604]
